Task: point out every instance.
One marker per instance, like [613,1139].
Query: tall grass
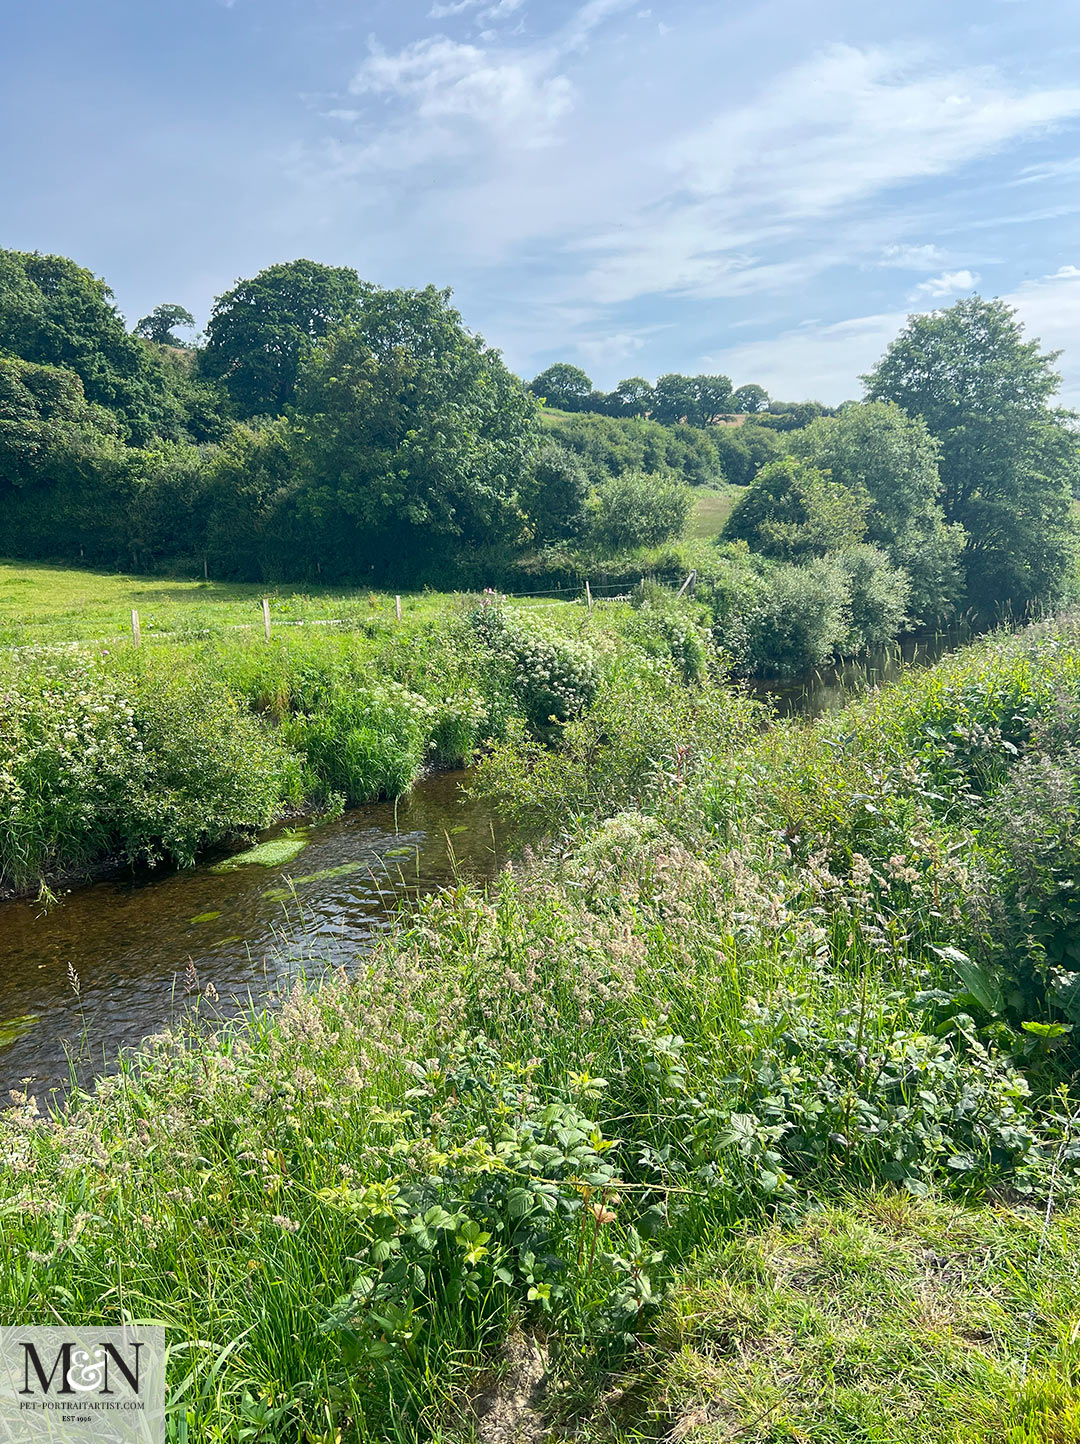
[726,998]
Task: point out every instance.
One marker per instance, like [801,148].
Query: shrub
[799,619]
[877,598]
[635,509]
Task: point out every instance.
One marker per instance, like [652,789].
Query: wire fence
[584,593]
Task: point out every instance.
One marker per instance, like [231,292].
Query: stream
[119,959]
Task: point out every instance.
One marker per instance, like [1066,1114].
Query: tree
[791,512]
[675,398]
[410,439]
[554,494]
[750,398]
[714,398]
[162,321]
[637,509]
[68,484]
[743,450]
[632,397]
[1007,456]
[55,313]
[563,386]
[262,330]
[877,448]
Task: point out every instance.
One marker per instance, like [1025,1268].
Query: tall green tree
[1007,455]
[411,439]
[56,313]
[632,397]
[262,330]
[162,322]
[563,386]
[879,449]
[675,398]
[714,397]
[750,398]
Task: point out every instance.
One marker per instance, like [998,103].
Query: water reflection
[830,687]
[120,958]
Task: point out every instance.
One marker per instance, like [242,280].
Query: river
[120,958]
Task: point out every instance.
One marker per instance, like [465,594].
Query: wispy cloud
[912,258]
[830,134]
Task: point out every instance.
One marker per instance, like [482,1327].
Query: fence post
[688,583]
[266,617]
[136,635]
[397,608]
[588,594]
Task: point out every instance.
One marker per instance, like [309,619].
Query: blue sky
[764,189]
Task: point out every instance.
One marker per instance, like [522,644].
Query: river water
[121,958]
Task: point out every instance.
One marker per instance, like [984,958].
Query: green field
[712,508]
[42,604]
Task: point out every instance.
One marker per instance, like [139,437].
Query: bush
[799,619]
[637,510]
[877,598]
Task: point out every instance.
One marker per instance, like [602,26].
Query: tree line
[327,428]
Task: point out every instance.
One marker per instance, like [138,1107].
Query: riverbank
[706,1101]
[163,752]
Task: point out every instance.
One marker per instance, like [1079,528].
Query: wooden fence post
[588,594]
[397,608]
[136,634]
[688,583]
[266,617]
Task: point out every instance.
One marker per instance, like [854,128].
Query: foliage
[750,398]
[742,451]
[1007,458]
[563,386]
[792,511]
[877,598]
[409,438]
[635,509]
[555,492]
[55,313]
[877,449]
[162,322]
[609,446]
[799,618]
[262,330]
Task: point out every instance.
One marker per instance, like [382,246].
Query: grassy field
[41,604]
[712,507]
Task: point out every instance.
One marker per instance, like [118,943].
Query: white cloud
[440,11]
[832,132]
[1050,309]
[605,351]
[826,361]
[949,283]
[443,80]
[813,362]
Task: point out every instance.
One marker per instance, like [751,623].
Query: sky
[762,189]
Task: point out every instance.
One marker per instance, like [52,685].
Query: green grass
[41,605]
[879,1318]
[698,1098]
[712,508]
